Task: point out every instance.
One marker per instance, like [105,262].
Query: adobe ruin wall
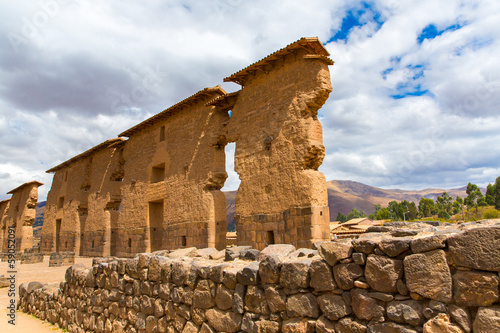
[18,214]
[160,188]
[404,279]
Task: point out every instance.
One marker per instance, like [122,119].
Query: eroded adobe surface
[160,187]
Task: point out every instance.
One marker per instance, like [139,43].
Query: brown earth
[27,273]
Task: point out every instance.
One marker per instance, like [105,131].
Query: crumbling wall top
[34,182]
[311,45]
[87,153]
[193,99]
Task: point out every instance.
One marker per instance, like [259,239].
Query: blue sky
[415,83]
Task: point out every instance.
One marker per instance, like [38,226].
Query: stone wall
[405,278]
[61,259]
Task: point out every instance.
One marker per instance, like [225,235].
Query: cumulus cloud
[416,84]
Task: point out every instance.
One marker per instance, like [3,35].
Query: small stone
[364,306]
[249,275]
[270,268]
[382,273]
[223,321]
[234,252]
[321,276]
[295,273]
[441,323]
[348,325]
[333,306]
[302,305]
[280,250]
[333,252]
[359,258]
[390,328]
[346,274]
[461,316]
[360,284]
[384,297]
[428,243]
[401,286]
[394,246]
[250,254]
[276,299]
[406,312]
[323,325]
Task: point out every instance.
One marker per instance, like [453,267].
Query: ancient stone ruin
[160,188]
[18,214]
[406,278]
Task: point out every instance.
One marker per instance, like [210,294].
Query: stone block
[383,273]
[474,288]
[333,252]
[428,275]
[477,248]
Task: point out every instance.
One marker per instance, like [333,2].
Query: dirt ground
[27,273]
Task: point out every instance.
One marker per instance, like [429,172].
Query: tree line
[444,206]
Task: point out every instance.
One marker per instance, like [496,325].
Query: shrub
[491,213]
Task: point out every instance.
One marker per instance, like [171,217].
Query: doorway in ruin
[155,225]
[230,188]
[58,237]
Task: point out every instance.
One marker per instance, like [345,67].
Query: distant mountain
[344,195]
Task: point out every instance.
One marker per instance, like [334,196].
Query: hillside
[344,195]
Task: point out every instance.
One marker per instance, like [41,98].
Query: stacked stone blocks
[398,281]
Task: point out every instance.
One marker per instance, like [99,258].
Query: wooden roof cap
[86,153]
[33,182]
[4,201]
[312,45]
[200,95]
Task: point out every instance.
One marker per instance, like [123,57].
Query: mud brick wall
[61,259]
[401,280]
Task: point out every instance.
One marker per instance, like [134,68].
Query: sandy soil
[28,273]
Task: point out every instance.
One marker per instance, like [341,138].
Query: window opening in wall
[66,245]
[162,133]
[232,182]
[183,241]
[270,237]
[65,176]
[130,242]
[156,225]
[60,202]
[158,173]
[58,230]
[321,213]
[92,244]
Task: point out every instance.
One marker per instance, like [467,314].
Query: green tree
[395,210]
[497,193]
[354,214]
[490,194]
[383,214]
[341,218]
[458,206]
[444,204]
[426,207]
[474,197]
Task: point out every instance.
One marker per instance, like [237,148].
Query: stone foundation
[406,279]
[61,259]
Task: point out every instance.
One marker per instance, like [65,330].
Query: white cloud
[83,71]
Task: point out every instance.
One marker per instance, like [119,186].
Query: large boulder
[223,321]
[333,252]
[487,320]
[382,273]
[472,288]
[477,248]
[428,275]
